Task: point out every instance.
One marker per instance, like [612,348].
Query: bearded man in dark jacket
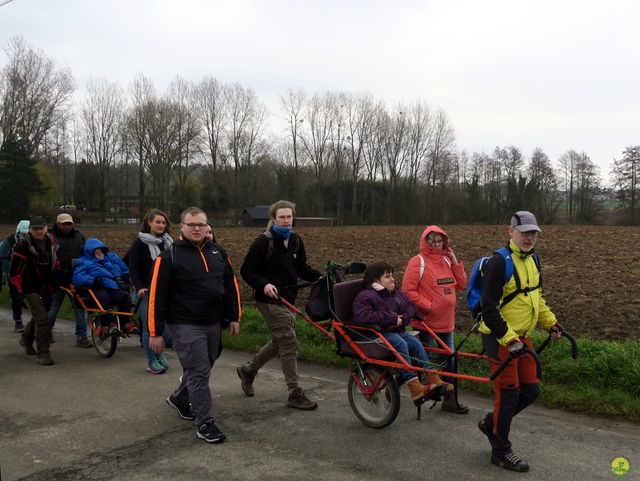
[31,271]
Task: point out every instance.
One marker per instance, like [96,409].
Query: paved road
[89,418]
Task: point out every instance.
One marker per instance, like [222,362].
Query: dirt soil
[591,273]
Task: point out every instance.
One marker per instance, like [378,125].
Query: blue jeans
[142,313]
[57,298]
[410,349]
[447,338]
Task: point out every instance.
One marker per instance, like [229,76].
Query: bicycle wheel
[105,345]
[382,407]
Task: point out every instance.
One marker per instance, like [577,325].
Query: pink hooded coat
[434,293]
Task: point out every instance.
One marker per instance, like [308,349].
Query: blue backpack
[474,285]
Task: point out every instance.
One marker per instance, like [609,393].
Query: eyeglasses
[437,241]
[196,226]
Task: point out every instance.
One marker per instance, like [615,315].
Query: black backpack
[318,306]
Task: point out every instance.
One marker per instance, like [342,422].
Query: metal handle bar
[506,362]
[572,340]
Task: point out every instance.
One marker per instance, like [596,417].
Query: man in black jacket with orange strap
[193,289]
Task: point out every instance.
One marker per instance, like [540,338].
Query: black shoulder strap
[519,289]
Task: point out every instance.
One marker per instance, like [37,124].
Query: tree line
[210,143]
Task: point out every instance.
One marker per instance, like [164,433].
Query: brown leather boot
[421,393]
[435,379]
[449,403]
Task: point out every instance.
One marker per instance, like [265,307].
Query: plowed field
[591,273]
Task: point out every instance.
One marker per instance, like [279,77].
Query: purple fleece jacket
[383,308]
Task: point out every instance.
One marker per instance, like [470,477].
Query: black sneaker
[510,461]
[19,328]
[298,399]
[246,381]
[210,433]
[184,410]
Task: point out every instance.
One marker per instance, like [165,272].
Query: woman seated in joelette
[381,304]
[108,277]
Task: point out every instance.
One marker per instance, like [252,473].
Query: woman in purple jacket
[379,303]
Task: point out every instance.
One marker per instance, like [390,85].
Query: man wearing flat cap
[70,246]
[511,309]
[31,270]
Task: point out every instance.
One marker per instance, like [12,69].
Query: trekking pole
[572,340]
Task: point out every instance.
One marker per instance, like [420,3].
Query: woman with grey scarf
[152,240]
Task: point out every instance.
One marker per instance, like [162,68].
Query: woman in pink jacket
[430,281]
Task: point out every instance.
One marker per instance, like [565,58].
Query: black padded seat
[344,293]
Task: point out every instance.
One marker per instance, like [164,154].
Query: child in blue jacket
[108,277]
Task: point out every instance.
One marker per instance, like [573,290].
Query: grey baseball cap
[524,221]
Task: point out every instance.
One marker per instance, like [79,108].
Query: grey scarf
[153,242]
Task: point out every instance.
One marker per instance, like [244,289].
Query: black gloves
[97,282]
[556,328]
[125,278]
[516,348]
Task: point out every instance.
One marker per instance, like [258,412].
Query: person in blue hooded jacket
[108,277]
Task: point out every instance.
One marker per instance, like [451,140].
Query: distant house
[315,221]
[258,216]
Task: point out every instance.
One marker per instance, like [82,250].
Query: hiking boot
[45,360]
[246,380]
[155,367]
[450,403]
[184,410]
[510,461]
[298,399]
[19,327]
[420,393]
[210,433]
[83,341]
[28,348]
[162,359]
[130,328]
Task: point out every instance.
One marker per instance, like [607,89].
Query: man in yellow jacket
[510,312]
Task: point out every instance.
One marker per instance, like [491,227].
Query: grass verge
[604,380]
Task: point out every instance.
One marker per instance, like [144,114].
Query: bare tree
[587,186]
[626,172]
[212,106]
[292,105]
[545,197]
[34,94]
[102,114]
[316,135]
[360,117]
[163,150]
[395,156]
[181,93]
[244,135]
[138,123]
[438,166]
[373,154]
[569,172]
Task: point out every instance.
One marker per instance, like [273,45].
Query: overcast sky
[555,74]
